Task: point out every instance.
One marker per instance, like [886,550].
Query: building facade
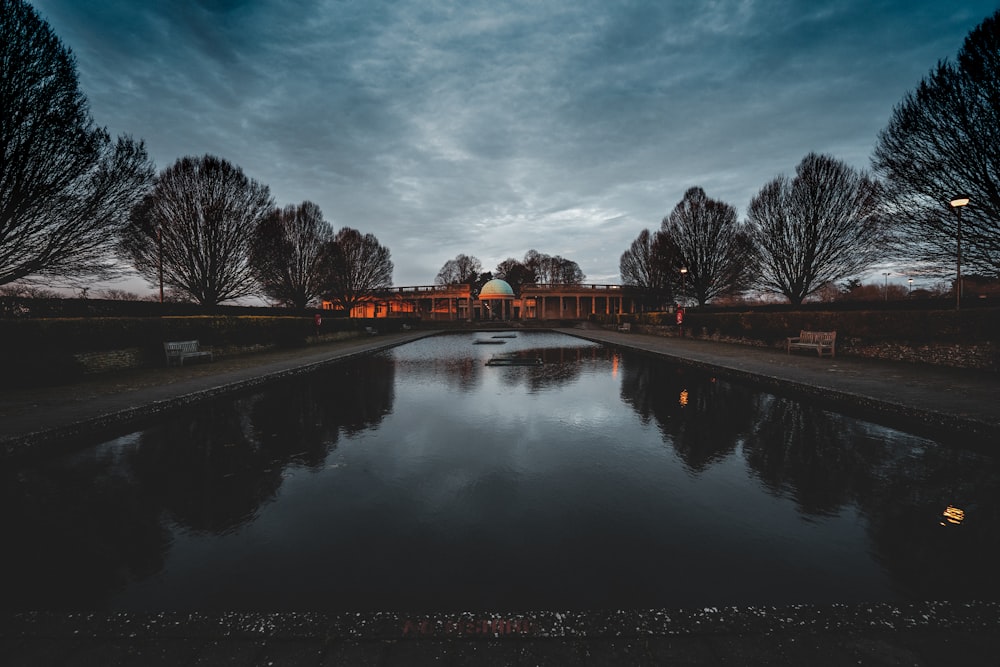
[496,301]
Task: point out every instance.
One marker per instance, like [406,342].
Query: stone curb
[632,624]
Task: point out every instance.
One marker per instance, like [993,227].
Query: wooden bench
[184,349]
[824,342]
[625,327]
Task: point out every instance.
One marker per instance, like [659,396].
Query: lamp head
[959,200]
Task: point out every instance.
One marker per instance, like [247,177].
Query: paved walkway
[953,403]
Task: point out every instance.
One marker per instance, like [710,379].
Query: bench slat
[185,349]
[824,342]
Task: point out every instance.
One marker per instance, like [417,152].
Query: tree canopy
[463,270]
[287,253]
[819,227]
[703,236]
[356,265]
[642,265]
[551,269]
[943,140]
[515,274]
[66,188]
[198,220]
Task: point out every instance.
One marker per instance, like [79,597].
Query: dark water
[421,479]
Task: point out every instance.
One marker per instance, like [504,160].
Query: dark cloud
[490,128]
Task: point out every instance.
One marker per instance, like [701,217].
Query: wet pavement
[953,403]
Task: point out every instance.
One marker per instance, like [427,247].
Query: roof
[496,289]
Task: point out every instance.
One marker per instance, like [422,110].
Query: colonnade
[537,302]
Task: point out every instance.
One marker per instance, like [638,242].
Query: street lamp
[886,291]
[909,292]
[159,256]
[957,203]
[683,280]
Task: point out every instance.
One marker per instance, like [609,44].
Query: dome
[496,289]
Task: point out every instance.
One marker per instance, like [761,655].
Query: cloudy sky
[491,127]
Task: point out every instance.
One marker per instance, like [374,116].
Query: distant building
[497,301]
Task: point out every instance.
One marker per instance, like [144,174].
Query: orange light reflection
[952,515]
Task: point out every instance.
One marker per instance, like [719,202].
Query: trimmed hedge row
[872,326]
[28,307]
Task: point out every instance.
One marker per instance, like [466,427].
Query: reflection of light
[684,397]
[952,515]
[614,365]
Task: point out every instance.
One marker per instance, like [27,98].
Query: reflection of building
[497,301]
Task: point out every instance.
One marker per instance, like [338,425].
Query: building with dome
[496,301]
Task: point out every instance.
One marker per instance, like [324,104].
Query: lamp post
[159,256]
[957,203]
[909,292]
[886,290]
[683,280]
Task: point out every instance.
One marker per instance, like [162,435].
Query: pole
[159,256]
[958,267]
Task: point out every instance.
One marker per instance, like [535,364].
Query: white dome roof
[496,289]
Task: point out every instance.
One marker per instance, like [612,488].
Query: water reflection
[457,362]
[702,419]
[74,534]
[213,469]
[208,469]
[602,478]
[821,459]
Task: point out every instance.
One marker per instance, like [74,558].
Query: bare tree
[566,271]
[463,270]
[642,264]
[356,265]
[65,188]
[27,290]
[112,294]
[287,253]
[943,140]
[703,236]
[554,270]
[515,274]
[197,224]
[819,227]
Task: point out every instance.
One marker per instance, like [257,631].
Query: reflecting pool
[421,479]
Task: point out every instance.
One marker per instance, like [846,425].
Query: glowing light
[684,397]
[952,515]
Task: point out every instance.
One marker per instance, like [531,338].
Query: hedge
[870,326]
